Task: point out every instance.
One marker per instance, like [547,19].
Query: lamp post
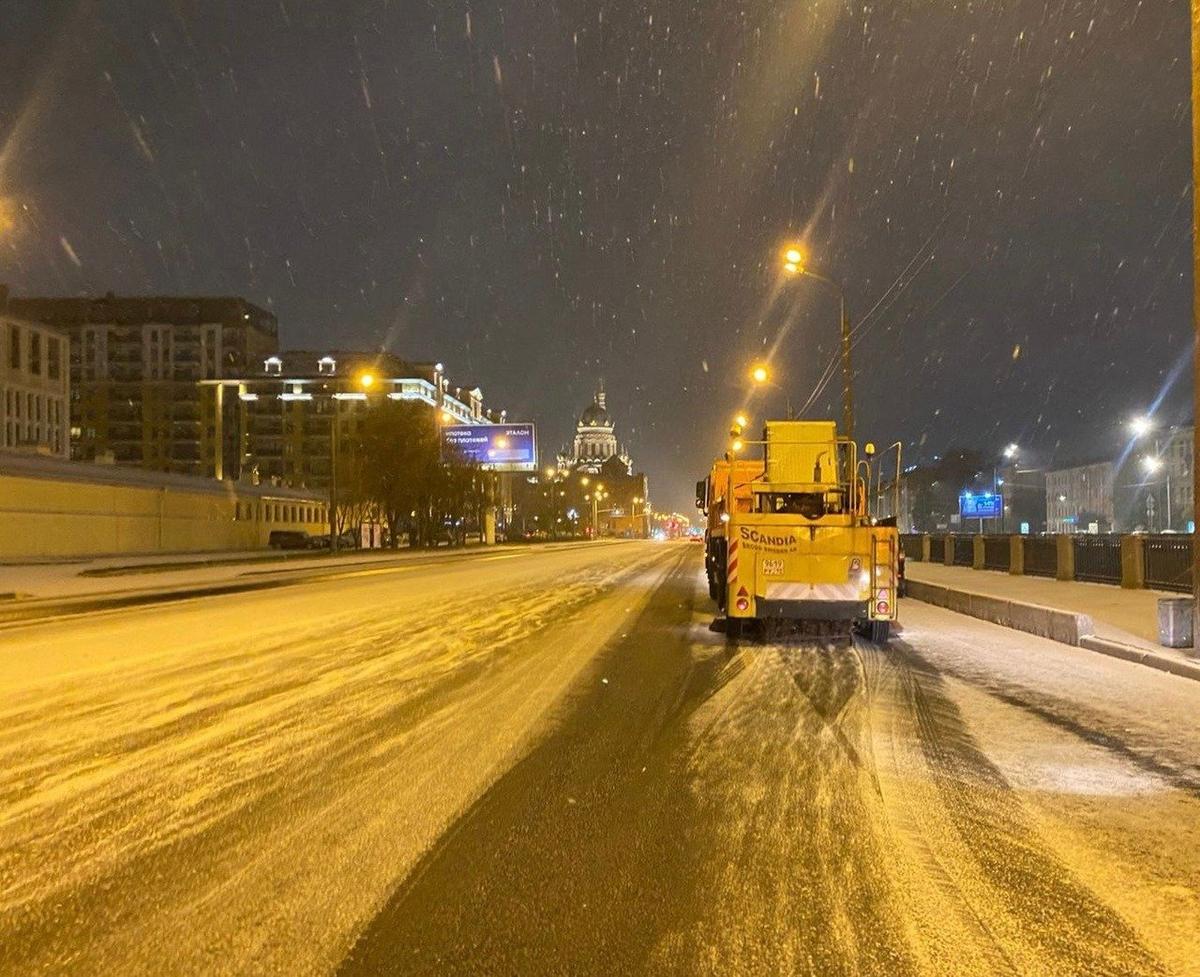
[795,262]
[596,495]
[1140,427]
[1152,464]
[633,513]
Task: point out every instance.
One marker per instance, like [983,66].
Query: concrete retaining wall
[69,514]
[1046,622]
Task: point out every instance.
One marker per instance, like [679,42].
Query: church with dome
[596,448]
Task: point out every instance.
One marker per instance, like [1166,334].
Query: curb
[1065,627]
[1045,622]
[1139,656]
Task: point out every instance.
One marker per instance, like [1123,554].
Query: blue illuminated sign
[982,505]
[498,447]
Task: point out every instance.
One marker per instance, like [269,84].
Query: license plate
[772,568]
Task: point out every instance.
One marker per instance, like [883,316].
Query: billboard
[498,447]
[982,505]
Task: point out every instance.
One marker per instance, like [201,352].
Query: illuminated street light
[584,480]
[1141,426]
[366,381]
[737,445]
[447,417]
[550,472]
[1011,451]
[741,420]
[1152,464]
[759,374]
[793,256]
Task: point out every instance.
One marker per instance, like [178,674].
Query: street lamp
[1012,451]
[762,377]
[1141,426]
[796,263]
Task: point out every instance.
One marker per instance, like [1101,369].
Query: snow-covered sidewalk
[1128,617]
[106,575]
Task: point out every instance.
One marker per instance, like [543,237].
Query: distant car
[346,541]
[289,539]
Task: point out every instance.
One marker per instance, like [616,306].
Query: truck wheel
[880,632]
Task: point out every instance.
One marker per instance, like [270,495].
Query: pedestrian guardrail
[1159,562]
[964,551]
[1041,556]
[1097,558]
[997,553]
[1168,562]
[937,549]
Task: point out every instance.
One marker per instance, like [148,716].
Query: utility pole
[333,473]
[847,371]
[1195,305]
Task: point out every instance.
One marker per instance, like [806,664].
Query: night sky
[542,193]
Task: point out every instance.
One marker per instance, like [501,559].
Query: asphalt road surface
[543,762]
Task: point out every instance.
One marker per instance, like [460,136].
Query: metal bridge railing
[964,551]
[1168,562]
[1041,556]
[997,552]
[1097,558]
[937,549]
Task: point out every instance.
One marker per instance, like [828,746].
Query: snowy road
[542,761]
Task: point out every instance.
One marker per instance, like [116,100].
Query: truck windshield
[811,505]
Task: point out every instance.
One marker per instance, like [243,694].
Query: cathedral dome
[595,416]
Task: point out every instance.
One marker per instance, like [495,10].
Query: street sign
[497,447]
[982,505]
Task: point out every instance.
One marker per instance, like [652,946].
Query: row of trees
[391,471]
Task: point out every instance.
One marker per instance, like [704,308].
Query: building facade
[135,367]
[34,385]
[276,424]
[1080,499]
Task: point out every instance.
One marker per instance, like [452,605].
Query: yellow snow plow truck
[789,537]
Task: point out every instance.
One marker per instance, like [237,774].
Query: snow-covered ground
[233,786]
[546,756]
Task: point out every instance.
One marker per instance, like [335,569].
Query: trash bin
[1175,622]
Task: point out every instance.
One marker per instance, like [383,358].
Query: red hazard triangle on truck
[742,592]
